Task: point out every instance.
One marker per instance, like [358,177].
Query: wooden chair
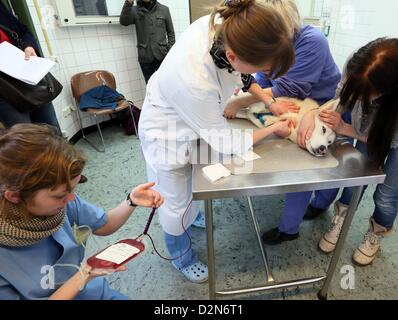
[85,81]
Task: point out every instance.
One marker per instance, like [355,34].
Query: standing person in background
[155,32]
[8,114]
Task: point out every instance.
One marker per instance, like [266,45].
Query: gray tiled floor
[112,174]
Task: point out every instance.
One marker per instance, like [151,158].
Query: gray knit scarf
[16,230]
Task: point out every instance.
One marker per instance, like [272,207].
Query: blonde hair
[35,157]
[288,9]
[256,33]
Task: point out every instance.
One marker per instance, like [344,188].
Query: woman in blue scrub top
[39,253]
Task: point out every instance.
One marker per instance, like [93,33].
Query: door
[200,8]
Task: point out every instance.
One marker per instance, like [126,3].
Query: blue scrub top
[314,74]
[24,271]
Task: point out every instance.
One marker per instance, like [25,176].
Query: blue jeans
[177,245]
[10,116]
[385,198]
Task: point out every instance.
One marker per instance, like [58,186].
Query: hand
[231,110]
[130,2]
[306,128]
[143,196]
[88,273]
[332,119]
[284,128]
[236,91]
[281,107]
[29,52]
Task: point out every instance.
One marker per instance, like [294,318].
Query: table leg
[268,273]
[210,249]
[322,294]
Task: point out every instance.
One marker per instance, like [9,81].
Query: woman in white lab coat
[186,98]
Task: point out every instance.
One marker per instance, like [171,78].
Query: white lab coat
[184,97]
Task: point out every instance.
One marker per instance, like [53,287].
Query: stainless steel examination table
[353,170]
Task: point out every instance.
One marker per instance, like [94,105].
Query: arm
[256,94]
[71,288]
[126,17]
[171,38]
[311,55]
[280,128]
[141,195]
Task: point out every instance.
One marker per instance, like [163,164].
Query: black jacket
[8,20]
[154,27]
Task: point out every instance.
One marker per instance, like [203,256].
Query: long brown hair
[256,33]
[35,157]
[373,70]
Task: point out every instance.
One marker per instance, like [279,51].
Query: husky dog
[321,138]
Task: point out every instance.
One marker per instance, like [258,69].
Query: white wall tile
[109,47]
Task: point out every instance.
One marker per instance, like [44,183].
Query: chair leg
[84,136]
[81,124]
[132,117]
[100,133]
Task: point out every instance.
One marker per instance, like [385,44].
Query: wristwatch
[130,202]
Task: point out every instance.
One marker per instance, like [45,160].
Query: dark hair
[373,70]
[256,33]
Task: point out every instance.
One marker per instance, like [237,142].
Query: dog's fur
[322,136]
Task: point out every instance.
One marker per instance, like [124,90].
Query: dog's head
[323,136]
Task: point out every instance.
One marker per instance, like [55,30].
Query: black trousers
[148,69]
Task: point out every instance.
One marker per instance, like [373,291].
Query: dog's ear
[331,105]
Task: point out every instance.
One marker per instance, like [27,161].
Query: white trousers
[168,166]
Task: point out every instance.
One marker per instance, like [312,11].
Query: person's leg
[180,249]
[386,194]
[295,206]
[385,212]
[292,216]
[45,114]
[10,116]
[148,69]
[325,198]
[174,182]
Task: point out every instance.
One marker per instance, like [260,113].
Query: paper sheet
[215,172]
[250,156]
[13,63]
[118,253]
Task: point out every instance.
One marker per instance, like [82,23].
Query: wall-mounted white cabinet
[88,12]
